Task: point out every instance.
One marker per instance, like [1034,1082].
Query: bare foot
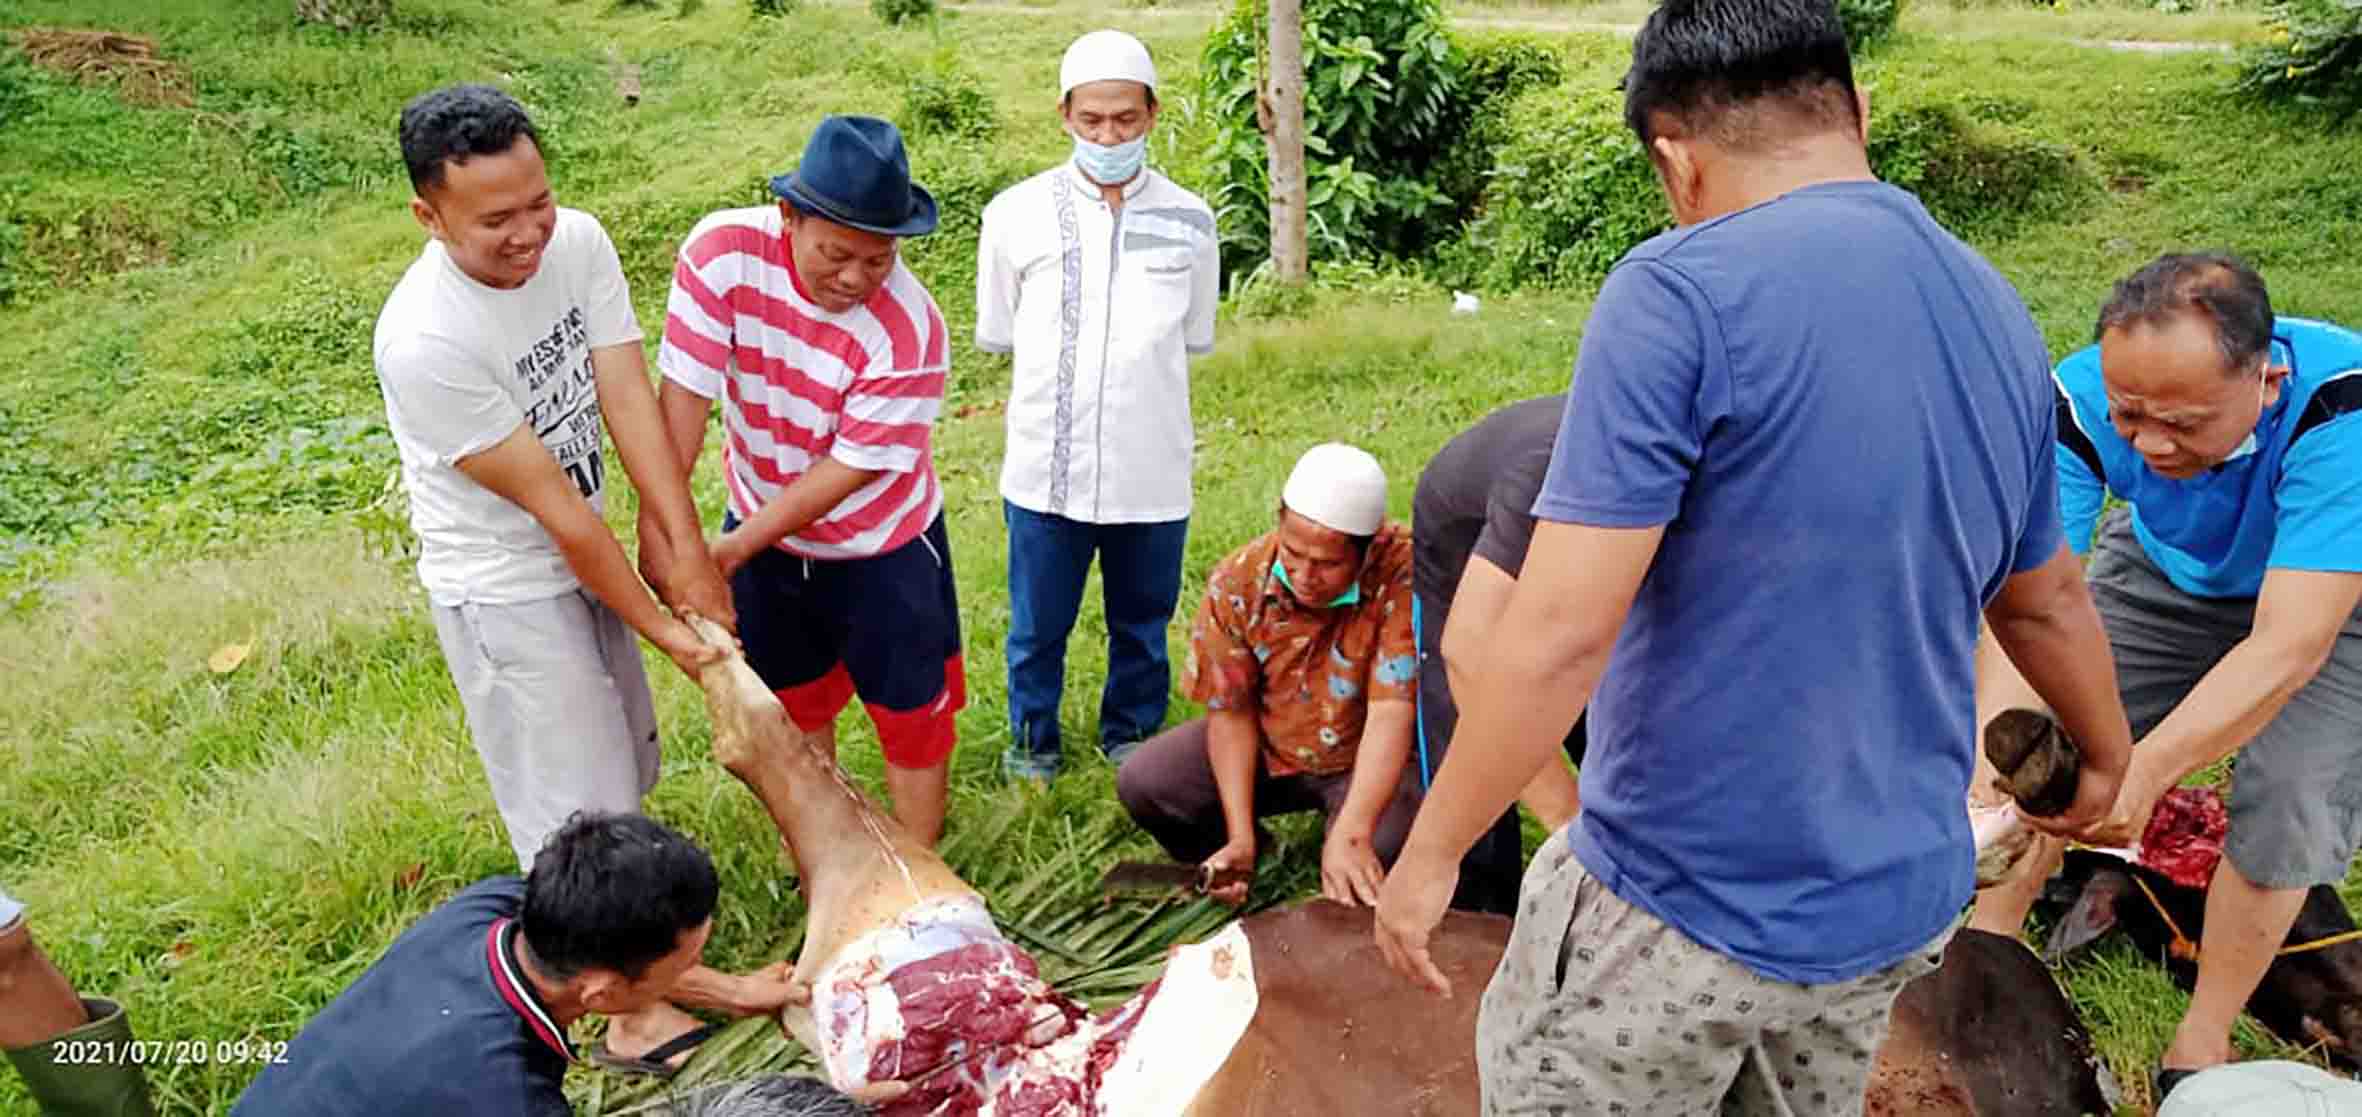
[634,1034]
[2191,1051]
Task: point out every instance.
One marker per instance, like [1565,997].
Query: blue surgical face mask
[1111,166]
[1351,596]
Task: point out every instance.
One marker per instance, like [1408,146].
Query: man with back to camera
[1472,519]
[501,352]
[1807,442]
[1100,278]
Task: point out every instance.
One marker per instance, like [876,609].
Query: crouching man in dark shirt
[467,1011]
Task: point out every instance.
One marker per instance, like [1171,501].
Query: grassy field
[191,453]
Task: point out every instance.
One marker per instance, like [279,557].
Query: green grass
[190,452]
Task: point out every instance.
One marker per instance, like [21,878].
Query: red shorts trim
[923,738]
[814,706]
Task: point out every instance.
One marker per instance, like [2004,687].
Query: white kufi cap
[1339,487]
[1106,56]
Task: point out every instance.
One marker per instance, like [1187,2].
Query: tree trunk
[1283,97]
[344,15]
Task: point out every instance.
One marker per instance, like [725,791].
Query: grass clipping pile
[128,62]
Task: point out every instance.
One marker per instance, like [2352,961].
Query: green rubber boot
[74,1075]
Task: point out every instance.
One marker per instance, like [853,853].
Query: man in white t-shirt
[499,352]
[1100,276]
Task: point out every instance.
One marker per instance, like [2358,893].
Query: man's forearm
[637,421]
[2232,702]
[685,415]
[2053,638]
[591,551]
[657,554]
[1377,764]
[1232,740]
[702,986]
[820,489]
[2062,653]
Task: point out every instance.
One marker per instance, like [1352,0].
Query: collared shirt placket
[1115,259]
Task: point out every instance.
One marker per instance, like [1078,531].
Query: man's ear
[1862,113]
[426,217]
[2275,379]
[1678,172]
[600,990]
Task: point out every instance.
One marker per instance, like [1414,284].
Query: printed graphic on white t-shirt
[564,412]
[462,366]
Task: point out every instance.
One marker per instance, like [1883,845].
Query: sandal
[653,1062]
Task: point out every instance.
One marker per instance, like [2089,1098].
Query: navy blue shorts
[886,628]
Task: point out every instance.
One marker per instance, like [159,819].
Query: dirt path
[1534,22]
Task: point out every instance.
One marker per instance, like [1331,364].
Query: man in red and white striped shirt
[829,358]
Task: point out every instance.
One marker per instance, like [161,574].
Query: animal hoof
[2002,840]
[2037,762]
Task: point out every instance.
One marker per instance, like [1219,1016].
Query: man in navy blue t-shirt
[2228,581]
[1807,444]
[467,1011]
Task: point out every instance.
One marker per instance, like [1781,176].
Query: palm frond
[1037,858]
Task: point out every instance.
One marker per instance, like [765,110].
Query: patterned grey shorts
[1600,1008]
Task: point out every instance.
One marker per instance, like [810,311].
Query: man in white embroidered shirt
[1100,276]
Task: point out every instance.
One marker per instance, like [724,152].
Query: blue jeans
[1140,570]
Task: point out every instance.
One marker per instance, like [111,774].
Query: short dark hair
[616,892]
[1720,69]
[774,1095]
[2217,285]
[456,123]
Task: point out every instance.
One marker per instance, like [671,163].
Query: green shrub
[943,98]
[898,12]
[1976,177]
[12,250]
[772,9]
[1381,77]
[1495,70]
[2313,56]
[304,161]
[962,178]
[1569,192]
[1868,22]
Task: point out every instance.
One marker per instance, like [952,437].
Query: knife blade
[1167,877]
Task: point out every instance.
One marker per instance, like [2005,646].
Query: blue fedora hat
[854,172]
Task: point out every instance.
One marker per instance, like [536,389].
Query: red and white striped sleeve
[699,327]
[891,406]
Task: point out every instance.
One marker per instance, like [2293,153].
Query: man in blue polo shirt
[2228,581]
[1807,443]
[467,1011]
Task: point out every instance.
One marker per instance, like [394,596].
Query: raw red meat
[2185,836]
[1003,1041]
